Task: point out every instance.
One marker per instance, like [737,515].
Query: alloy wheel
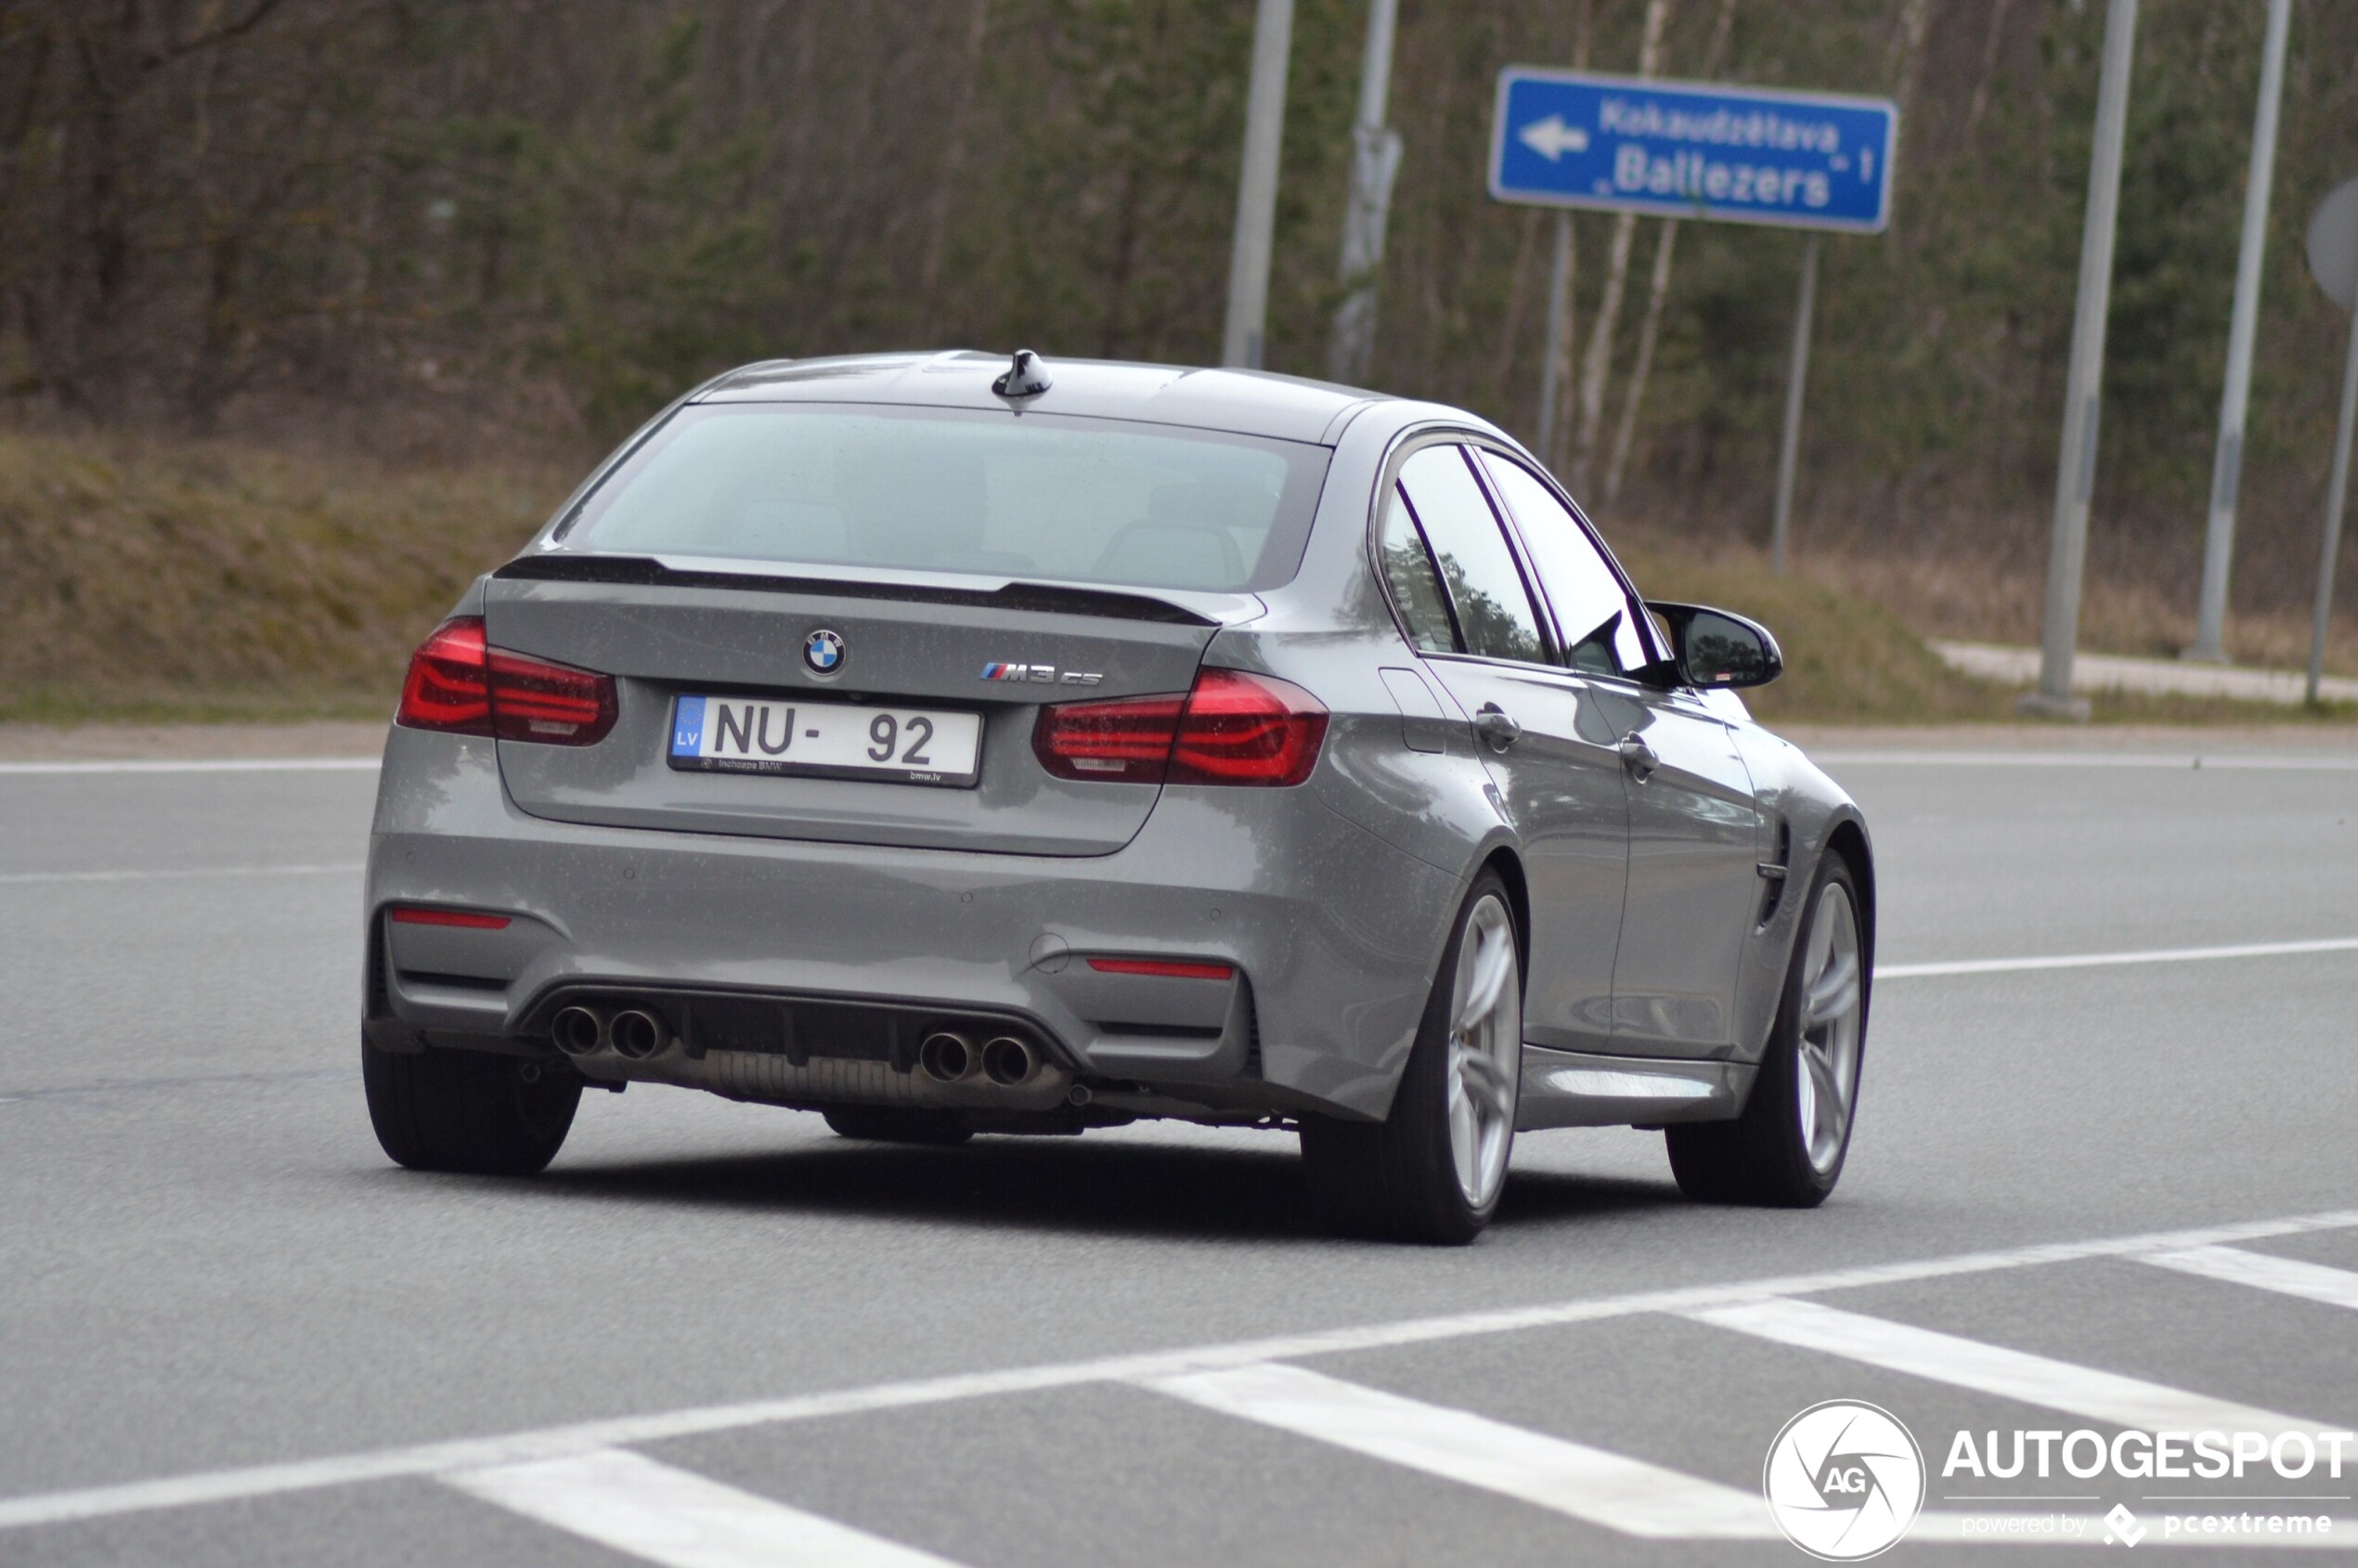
[1832,1005]
[1486,1051]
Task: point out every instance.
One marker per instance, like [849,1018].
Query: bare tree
[1715,58]
[1624,233]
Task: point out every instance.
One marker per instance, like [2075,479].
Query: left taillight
[460,683]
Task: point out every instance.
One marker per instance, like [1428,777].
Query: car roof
[1250,402]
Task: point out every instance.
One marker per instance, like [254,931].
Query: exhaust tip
[577,1030]
[949,1059]
[1009,1061]
[637,1034]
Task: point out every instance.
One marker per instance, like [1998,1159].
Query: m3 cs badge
[1044,674]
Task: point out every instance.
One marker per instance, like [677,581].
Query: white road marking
[2107,960]
[632,1504]
[1589,1484]
[2287,1276]
[175,873]
[436,1458]
[1994,1369]
[2181,762]
[231,765]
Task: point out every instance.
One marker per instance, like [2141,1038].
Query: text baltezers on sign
[1692,149]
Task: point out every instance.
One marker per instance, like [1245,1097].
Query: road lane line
[175,873]
[2287,1276]
[231,765]
[1589,1484]
[555,1442]
[2107,960]
[631,1504]
[2181,762]
[1995,1370]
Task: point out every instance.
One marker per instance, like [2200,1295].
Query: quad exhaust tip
[577,1030]
[1008,1061]
[636,1035]
[949,1057]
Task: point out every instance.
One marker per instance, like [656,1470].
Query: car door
[1694,826]
[1544,745]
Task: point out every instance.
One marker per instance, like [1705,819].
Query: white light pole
[1375,162]
[2219,541]
[1241,340]
[2083,387]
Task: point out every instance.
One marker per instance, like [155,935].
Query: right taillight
[1235,728]
[458,682]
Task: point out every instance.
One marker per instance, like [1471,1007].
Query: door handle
[1497,726]
[1638,756]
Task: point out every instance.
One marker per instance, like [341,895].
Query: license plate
[833,740]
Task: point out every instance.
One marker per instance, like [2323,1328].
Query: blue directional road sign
[1692,149]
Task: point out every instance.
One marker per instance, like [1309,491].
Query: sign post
[2333,260]
[1699,151]
[1796,379]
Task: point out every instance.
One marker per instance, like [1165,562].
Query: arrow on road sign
[1552,138]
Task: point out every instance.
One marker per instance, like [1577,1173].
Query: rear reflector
[1170,968]
[450,917]
[458,683]
[1233,728]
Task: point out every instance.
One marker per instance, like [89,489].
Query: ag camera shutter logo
[1843,1481]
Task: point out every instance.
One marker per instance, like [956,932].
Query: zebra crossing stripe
[2285,1276]
[1586,1483]
[637,1506]
[1993,1370]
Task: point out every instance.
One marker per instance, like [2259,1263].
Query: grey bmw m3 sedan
[954,744]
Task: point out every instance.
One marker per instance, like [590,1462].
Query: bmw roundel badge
[822,651]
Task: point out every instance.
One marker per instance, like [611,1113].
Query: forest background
[285,280]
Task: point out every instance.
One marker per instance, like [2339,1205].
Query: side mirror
[1712,648]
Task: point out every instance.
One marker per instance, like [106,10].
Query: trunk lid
[665,629]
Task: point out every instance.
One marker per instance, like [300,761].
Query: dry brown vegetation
[149,579]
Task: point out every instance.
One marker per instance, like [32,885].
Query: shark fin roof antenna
[1025,377]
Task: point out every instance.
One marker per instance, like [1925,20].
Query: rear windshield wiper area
[1047,598]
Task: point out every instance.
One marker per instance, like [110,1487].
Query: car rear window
[1019,496]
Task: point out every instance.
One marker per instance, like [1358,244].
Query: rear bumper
[1332,933]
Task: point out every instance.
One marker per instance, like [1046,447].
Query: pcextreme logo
[1844,1480]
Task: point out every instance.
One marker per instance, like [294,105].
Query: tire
[1432,1170]
[469,1111]
[896,1124]
[1786,1150]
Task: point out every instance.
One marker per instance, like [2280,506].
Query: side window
[1493,609]
[1592,609]
[1415,585]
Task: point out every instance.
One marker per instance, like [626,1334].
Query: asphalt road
[231,1333]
